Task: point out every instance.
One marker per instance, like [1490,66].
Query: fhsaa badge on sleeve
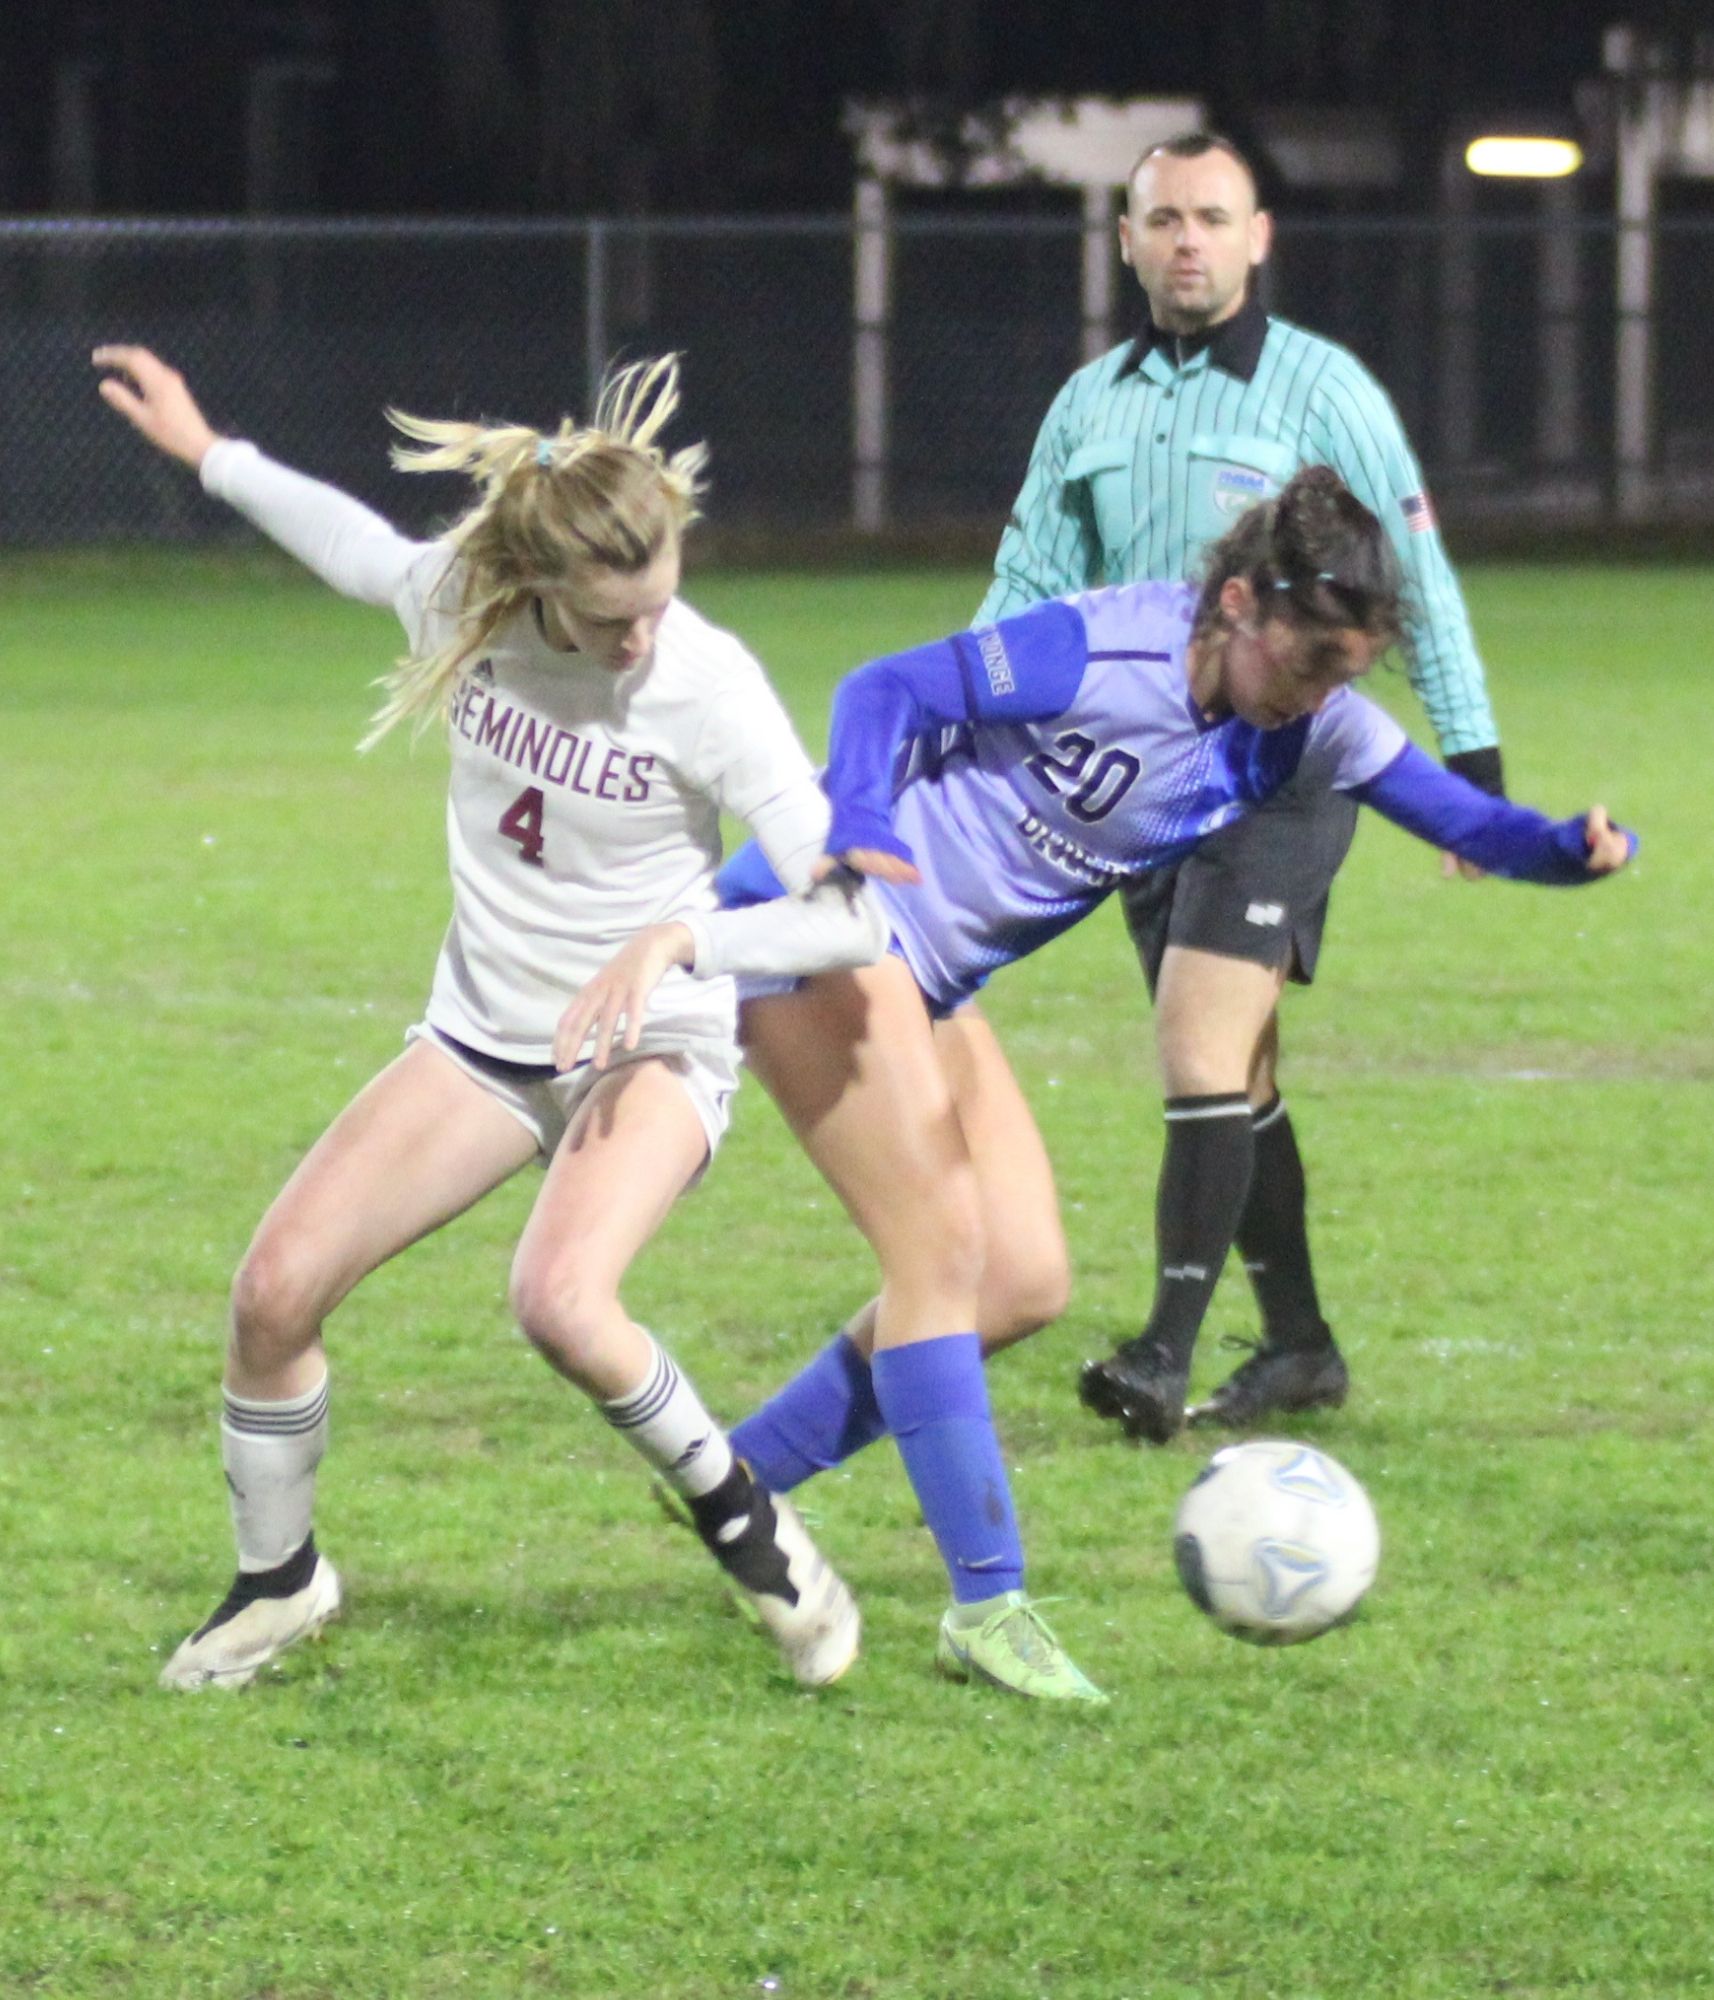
[1238,486]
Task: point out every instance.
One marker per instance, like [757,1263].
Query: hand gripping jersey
[583,804]
[1028,767]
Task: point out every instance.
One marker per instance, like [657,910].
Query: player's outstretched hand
[153,397]
[1454,865]
[1609,848]
[620,992]
[871,861]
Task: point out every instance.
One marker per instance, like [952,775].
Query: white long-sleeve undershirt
[346,544]
[836,926]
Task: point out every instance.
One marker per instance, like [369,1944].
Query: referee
[1145,457]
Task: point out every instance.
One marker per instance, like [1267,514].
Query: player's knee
[559,1312]
[1200,1060]
[279,1298]
[1212,1016]
[1265,1067]
[939,1242]
[1023,1296]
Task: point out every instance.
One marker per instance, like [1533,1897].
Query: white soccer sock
[664,1419]
[271,1451]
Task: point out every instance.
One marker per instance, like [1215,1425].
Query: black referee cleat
[1277,1381]
[1140,1386]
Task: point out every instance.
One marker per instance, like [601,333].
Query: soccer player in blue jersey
[1145,456]
[1078,746]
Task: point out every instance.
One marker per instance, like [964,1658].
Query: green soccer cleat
[1012,1648]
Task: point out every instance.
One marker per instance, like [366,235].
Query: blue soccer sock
[824,1414]
[935,1401]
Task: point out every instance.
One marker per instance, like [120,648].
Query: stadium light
[1523,157]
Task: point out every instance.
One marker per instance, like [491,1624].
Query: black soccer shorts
[1255,890]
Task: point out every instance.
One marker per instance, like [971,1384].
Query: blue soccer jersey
[1029,767]
[1084,760]
[1046,758]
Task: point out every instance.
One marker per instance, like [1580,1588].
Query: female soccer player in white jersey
[598,727]
[1091,738]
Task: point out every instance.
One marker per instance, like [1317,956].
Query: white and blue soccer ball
[1276,1542]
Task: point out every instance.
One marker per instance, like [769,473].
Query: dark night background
[555,107]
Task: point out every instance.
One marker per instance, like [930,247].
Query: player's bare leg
[1026,1268]
[1211,1015]
[828,1411]
[632,1148]
[851,1060]
[419,1145]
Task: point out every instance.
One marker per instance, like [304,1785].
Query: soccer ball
[1276,1542]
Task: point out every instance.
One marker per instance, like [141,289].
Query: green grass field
[540,1755]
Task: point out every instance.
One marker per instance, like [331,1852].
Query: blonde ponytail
[554,507]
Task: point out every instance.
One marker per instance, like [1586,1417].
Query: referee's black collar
[1234,346]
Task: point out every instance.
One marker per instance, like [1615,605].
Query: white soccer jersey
[584,803]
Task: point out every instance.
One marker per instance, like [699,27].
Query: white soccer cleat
[243,1636]
[794,1590]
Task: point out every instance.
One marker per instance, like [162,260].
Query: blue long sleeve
[1503,838]
[1022,670]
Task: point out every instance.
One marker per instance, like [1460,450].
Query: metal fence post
[1097,270]
[594,313]
[1558,408]
[1633,349]
[1457,403]
[872,309]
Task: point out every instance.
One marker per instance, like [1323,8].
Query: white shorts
[544,1101]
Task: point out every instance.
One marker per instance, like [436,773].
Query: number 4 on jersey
[522,822]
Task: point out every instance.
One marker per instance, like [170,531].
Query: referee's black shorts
[1256,890]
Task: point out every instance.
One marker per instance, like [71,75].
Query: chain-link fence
[1497,339]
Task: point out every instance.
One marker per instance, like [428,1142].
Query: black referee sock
[1205,1177]
[1273,1237]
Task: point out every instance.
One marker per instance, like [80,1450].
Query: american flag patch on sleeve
[1418,512]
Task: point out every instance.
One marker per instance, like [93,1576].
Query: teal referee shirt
[1151,452]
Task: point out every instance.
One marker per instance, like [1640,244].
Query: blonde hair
[555,507]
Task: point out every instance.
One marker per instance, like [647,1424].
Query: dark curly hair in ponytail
[1313,554]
